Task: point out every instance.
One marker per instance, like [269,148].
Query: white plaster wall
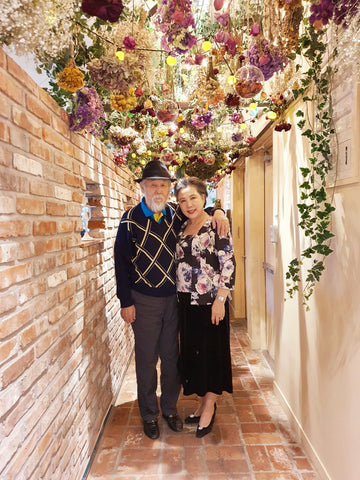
[317,353]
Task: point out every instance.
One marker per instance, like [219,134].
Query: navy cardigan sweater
[145,253]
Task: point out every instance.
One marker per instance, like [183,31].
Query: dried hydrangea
[115,75]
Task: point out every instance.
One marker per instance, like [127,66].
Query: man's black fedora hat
[155,170]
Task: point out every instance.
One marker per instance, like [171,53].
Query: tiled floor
[250,440]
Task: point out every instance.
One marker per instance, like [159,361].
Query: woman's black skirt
[205,361]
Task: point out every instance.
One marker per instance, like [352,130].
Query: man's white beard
[157,204]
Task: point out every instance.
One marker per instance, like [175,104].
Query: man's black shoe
[151,429]
[174,422]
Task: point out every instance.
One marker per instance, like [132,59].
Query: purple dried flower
[269,64]
[88,112]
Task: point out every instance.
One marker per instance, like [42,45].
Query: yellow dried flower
[71,78]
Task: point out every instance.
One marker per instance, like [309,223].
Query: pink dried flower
[199,58]
[129,43]
[255,30]
[178,16]
[221,37]
[222,18]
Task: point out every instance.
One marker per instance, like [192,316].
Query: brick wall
[63,346]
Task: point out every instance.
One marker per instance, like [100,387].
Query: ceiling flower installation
[176,81]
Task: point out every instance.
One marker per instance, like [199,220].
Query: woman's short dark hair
[195,182]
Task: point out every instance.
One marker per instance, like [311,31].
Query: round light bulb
[206,46]
[120,55]
[149,153]
[164,145]
[171,60]
[253,106]
[271,115]
[243,126]
[181,130]
[143,162]
[231,80]
[133,155]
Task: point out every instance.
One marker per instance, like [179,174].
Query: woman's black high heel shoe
[192,419]
[202,431]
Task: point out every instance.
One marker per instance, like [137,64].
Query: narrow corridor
[251,438]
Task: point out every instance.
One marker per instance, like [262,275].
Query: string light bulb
[206,46]
[231,80]
[171,61]
[271,115]
[120,55]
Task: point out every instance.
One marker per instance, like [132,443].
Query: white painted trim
[301,435]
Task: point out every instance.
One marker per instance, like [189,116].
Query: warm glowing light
[149,153]
[171,168]
[253,106]
[171,61]
[120,55]
[243,126]
[164,145]
[50,19]
[231,80]
[133,155]
[143,162]
[206,46]
[181,130]
[271,115]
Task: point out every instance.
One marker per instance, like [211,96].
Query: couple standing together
[174,269]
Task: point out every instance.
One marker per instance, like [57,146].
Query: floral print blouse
[204,263]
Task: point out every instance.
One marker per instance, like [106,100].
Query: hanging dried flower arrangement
[123,103]
[175,22]
[71,78]
[88,113]
[115,75]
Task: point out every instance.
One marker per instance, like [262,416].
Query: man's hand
[221,222]
[128,314]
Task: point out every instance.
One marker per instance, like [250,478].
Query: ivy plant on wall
[315,208]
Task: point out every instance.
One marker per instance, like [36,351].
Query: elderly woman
[205,276]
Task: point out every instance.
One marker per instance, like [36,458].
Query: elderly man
[145,275]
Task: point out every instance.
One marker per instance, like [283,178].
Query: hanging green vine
[315,209]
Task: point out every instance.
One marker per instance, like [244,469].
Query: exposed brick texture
[63,346]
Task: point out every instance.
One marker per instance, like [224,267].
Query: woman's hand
[217,311]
